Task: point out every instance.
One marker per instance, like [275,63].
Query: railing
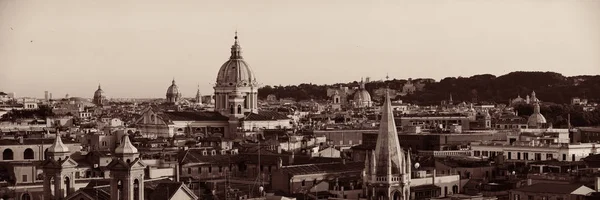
[391,179]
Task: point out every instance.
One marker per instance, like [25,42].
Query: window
[209,169]
[24,178]
[7,154]
[28,153]
[564,157]
[303,182]
[189,170]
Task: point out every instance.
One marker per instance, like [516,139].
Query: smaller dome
[362,96]
[536,119]
[173,90]
[58,146]
[99,93]
[126,147]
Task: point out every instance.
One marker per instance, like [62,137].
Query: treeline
[486,88]
[42,112]
[558,114]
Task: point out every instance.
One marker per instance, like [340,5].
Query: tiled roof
[195,156]
[7,142]
[550,188]
[324,168]
[96,193]
[166,190]
[194,116]
[265,116]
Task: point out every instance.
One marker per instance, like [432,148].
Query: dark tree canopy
[549,87]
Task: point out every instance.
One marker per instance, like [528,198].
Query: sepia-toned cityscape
[518,133]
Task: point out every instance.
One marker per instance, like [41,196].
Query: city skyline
[134,50]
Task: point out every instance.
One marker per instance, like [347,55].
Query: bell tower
[59,171]
[388,168]
[126,172]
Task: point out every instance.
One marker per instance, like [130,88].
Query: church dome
[99,93]
[236,72]
[536,119]
[173,90]
[518,100]
[362,96]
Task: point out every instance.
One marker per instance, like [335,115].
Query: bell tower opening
[67,186]
[397,196]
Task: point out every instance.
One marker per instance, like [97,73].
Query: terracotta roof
[36,141]
[265,116]
[551,188]
[194,116]
[166,190]
[324,168]
[96,193]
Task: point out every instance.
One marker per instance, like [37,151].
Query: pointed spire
[173,82]
[236,50]
[99,86]
[389,155]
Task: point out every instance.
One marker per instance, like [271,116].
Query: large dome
[236,72]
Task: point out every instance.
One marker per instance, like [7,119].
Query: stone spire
[389,157]
[236,49]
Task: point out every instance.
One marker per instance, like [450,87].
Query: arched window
[455,189]
[136,189]
[397,196]
[232,109]
[445,190]
[120,190]
[28,153]
[239,109]
[245,101]
[7,154]
[67,186]
[25,196]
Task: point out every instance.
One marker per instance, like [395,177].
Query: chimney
[597,184]
[279,163]
[434,176]
[21,140]
[291,159]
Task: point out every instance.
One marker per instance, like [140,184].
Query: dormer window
[213,152]
[204,153]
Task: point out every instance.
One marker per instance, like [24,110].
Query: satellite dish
[417,165]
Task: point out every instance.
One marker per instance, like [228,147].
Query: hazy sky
[134,48]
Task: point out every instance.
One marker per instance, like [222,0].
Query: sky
[134,48]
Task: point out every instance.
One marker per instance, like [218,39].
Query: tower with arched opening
[59,171]
[126,172]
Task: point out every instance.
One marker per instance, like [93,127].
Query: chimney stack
[597,184]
